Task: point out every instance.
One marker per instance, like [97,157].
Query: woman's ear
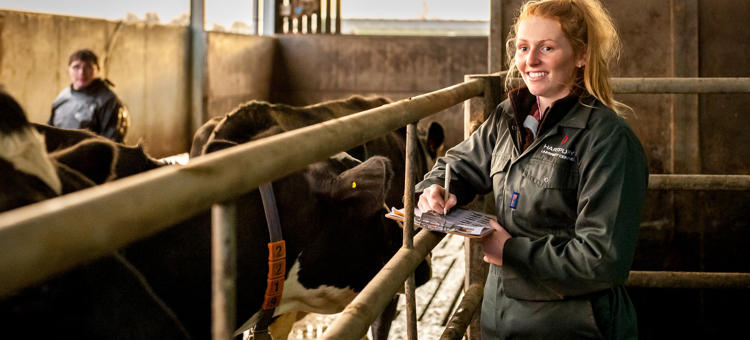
[582,59]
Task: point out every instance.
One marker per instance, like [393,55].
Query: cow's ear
[343,161]
[218,144]
[365,186]
[433,139]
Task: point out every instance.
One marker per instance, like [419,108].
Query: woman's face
[545,58]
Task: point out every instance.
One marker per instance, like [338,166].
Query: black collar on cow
[276,266]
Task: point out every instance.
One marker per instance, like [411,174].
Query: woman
[569,179]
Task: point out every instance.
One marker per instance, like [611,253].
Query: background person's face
[81,73]
[545,58]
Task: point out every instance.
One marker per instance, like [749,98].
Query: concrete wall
[147,63]
[239,69]
[310,69]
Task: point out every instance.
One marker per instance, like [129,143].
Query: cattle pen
[55,235]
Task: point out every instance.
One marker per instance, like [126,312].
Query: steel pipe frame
[54,235]
[459,321]
[223,270]
[699,182]
[681,85]
[688,280]
[638,279]
[360,313]
[408,240]
[685,85]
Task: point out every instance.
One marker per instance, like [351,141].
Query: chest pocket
[555,173]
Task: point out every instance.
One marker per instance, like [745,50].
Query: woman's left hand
[494,243]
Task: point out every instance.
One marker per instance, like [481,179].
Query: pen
[447,187]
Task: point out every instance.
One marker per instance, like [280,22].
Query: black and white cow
[257,119]
[28,175]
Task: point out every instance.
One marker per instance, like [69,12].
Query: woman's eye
[546,48]
[523,48]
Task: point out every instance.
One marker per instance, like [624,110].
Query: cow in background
[257,119]
[95,299]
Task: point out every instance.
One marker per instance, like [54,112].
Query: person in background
[89,103]
[569,178]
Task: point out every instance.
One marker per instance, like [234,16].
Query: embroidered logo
[559,152]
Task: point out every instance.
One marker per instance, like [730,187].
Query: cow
[257,119]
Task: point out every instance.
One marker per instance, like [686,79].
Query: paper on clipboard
[459,221]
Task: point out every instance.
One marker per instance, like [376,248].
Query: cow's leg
[382,325]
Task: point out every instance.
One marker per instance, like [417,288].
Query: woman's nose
[532,58]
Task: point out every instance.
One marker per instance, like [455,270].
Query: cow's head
[27,173]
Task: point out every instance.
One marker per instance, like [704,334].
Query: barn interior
[175,77]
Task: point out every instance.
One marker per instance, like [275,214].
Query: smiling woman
[569,180]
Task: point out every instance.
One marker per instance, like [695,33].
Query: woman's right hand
[432,198]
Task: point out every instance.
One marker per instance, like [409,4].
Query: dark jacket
[572,202]
[94,107]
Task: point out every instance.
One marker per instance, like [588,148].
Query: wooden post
[223,270]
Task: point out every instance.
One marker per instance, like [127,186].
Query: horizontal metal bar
[54,235]
[699,182]
[681,85]
[672,85]
[360,313]
[460,319]
[688,280]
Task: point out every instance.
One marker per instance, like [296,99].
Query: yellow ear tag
[354,185]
